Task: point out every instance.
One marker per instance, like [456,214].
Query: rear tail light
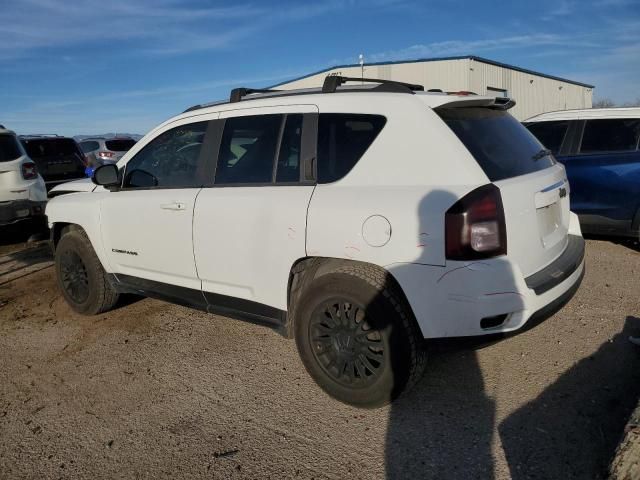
[29,171]
[475,226]
[105,155]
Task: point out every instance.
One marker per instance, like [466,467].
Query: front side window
[342,140]
[248,149]
[550,134]
[172,159]
[610,135]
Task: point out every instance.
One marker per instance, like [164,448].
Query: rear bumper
[17,210]
[463,297]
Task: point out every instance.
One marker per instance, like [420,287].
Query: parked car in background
[600,151]
[22,190]
[357,220]
[101,150]
[59,159]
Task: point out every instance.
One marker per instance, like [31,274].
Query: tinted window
[170,160]
[550,134]
[50,147]
[288,169]
[500,144]
[248,149]
[342,140]
[119,145]
[610,135]
[89,146]
[9,149]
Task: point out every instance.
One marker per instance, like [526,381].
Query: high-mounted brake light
[105,154]
[29,171]
[475,226]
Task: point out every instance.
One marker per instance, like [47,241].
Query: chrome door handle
[173,206]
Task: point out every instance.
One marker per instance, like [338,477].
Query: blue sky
[83,67]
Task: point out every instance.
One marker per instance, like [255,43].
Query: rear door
[249,227]
[59,160]
[605,173]
[533,186]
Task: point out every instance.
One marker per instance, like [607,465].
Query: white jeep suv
[359,220]
[22,190]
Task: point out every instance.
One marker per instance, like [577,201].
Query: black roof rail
[332,82]
[41,135]
[2,126]
[238,93]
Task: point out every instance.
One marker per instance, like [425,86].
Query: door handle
[173,206]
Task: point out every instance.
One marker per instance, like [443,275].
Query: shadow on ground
[444,427]
[572,429]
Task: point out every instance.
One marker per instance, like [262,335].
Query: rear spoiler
[497,103]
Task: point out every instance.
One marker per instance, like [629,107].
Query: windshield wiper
[542,153]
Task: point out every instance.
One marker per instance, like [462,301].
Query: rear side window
[288,169]
[550,134]
[342,140]
[9,149]
[501,145]
[87,147]
[119,145]
[614,135]
[248,149]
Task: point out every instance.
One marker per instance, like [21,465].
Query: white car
[359,220]
[22,190]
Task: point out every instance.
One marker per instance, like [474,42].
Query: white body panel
[83,185]
[148,234]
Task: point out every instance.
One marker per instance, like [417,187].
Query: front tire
[357,336]
[80,275]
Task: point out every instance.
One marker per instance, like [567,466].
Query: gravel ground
[153,390]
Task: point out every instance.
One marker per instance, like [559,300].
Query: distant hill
[135,136]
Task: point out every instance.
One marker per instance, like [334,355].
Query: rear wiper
[542,153]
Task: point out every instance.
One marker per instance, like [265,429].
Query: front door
[147,225]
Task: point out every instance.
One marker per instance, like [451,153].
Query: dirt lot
[153,390]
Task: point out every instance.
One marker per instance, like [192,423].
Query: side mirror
[107,176]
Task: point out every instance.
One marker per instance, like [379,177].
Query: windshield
[9,149]
[501,145]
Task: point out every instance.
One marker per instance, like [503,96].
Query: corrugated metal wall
[534,94]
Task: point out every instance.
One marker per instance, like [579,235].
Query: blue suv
[599,149]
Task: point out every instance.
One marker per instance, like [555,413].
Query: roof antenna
[361,61]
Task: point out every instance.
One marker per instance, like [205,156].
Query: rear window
[119,145]
[550,134]
[501,145]
[9,149]
[342,140]
[50,147]
[612,135]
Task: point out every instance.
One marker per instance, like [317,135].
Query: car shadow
[572,428]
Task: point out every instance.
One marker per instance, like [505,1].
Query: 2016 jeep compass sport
[357,219]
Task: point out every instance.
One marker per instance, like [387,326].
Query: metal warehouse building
[533,92]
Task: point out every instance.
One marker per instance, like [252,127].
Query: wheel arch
[306,269]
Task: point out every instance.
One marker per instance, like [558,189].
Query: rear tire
[357,337]
[80,275]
